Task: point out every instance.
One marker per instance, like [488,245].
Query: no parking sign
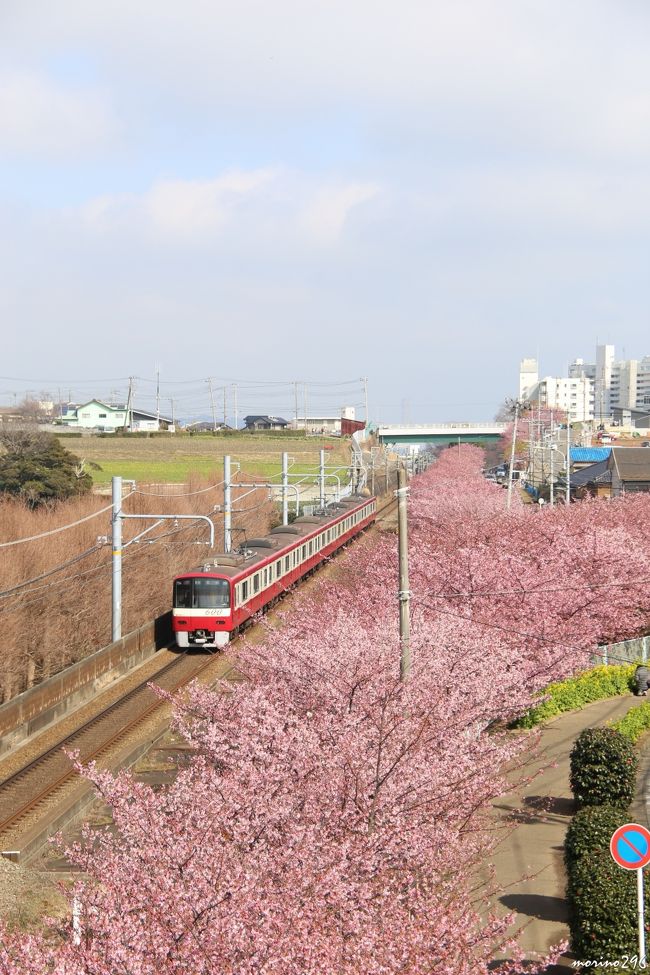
[630,848]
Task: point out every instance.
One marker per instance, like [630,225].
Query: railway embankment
[38,708]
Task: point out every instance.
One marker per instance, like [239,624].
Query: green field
[176,458]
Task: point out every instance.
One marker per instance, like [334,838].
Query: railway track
[29,793]
[48,775]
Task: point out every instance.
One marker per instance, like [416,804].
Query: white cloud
[260,207]
[546,74]
[39,116]
[176,208]
[325,215]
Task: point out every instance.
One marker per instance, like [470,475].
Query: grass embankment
[176,457]
[635,723]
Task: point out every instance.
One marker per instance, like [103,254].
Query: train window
[183,594]
[311,548]
[256,582]
[244,590]
[266,577]
[304,552]
[199,593]
[287,560]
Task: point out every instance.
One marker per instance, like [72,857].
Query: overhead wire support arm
[160,518]
[116,522]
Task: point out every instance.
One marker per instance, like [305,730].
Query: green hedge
[603,905]
[603,768]
[601,895]
[635,722]
[590,830]
[575,692]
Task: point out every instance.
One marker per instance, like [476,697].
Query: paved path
[540,813]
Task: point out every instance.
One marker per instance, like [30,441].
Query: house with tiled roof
[592,479]
[630,469]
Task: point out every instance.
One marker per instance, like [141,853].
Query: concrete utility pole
[364,380]
[227,505]
[158,396]
[285,483]
[404,594]
[321,479]
[235,406]
[512,454]
[214,415]
[567,500]
[116,534]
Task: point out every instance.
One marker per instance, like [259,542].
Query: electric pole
[512,454]
[403,594]
[567,500]
[214,415]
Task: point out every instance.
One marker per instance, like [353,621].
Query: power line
[55,531]
[50,572]
[534,592]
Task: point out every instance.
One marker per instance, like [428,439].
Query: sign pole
[639,890]
[630,848]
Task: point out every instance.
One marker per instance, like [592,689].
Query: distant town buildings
[596,390]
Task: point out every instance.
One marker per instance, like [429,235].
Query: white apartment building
[573,395]
[528,377]
[592,389]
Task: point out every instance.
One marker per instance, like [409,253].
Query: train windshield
[201,594]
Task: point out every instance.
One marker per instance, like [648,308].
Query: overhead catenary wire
[62,528]
[188,494]
[534,592]
[50,572]
[130,557]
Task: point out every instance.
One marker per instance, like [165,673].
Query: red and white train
[211,604]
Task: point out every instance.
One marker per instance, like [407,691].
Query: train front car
[202,610]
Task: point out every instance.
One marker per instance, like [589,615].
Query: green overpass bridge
[441,434]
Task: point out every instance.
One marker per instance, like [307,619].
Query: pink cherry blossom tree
[333,818]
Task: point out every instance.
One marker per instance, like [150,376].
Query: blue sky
[421,193]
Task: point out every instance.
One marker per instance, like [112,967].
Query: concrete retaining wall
[41,706]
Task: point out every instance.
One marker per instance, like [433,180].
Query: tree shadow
[538,906]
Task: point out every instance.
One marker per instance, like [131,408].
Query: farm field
[176,458]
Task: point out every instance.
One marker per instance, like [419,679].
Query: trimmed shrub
[603,906]
[571,694]
[591,830]
[635,722]
[603,768]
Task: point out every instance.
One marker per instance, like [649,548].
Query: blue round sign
[630,846]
